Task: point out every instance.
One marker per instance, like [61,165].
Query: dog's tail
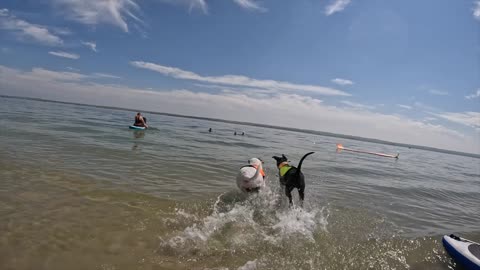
[299,167]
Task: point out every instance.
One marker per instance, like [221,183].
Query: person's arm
[143,122]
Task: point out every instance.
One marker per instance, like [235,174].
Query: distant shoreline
[307,131]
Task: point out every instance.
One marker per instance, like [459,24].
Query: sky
[402,71]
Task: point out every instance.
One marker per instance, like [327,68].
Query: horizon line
[307,131]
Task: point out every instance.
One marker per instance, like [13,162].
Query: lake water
[79,190]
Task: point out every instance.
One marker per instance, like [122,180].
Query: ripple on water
[81,191]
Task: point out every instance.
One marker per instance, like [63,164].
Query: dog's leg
[288,192]
[301,194]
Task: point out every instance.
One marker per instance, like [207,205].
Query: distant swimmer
[243,133]
[210,130]
[140,121]
[235,133]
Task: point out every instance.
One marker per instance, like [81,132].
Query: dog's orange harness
[261,170]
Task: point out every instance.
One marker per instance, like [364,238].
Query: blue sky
[404,71]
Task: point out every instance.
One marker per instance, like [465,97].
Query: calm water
[79,190]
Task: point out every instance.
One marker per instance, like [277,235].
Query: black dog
[291,177]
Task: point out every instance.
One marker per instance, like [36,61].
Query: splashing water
[259,232]
[250,265]
[298,221]
[243,225]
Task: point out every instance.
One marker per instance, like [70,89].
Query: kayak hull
[461,251]
[137,128]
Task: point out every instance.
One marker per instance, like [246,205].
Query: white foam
[199,233]
[296,221]
[181,212]
[246,224]
[250,265]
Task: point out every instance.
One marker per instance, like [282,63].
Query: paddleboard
[135,127]
[463,251]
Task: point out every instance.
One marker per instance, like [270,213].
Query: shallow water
[79,190]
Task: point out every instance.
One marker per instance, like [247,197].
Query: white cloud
[93,12]
[65,55]
[474,95]
[358,105]
[429,119]
[200,4]
[190,4]
[342,82]
[65,76]
[73,69]
[404,106]
[203,6]
[336,6]
[41,74]
[476,10]
[28,31]
[470,119]
[237,80]
[90,44]
[438,92]
[107,76]
[49,75]
[424,107]
[250,5]
[297,111]
[120,12]
[61,31]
